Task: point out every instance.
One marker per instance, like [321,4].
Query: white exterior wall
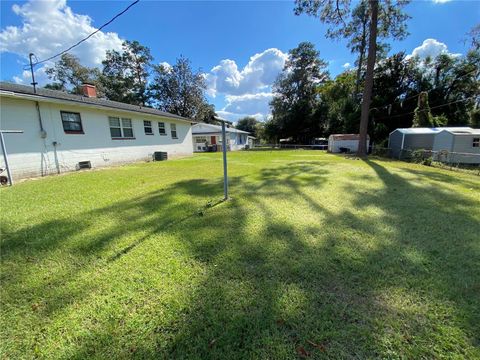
[31,156]
[335,145]
[232,144]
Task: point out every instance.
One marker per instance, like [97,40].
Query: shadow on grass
[340,285]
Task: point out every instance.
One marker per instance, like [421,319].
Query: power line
[416,95]
[433,107]
[89,36]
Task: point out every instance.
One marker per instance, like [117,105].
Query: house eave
[52,100]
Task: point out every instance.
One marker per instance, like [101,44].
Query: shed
[415,138]
[339,142]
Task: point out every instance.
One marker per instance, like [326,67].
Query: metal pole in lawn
[225,176]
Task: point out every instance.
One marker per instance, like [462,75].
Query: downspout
[43,133]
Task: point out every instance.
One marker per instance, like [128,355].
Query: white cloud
[166,65]
[49,27]
[259,74]
[441,1]
[25,77]
[246,91]
[347,65]
[249,104]
[430,48]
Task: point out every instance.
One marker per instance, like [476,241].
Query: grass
[315,256]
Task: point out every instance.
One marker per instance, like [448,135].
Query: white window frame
[122,125]
[173,131]
[162,129]
[476,142]
[200,139]
[147,124]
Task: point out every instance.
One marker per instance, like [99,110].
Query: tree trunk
[367,92]
[363,44]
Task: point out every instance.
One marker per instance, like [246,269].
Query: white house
[341,142]
[61,130]
[208,135]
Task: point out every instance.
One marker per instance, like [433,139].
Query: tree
[337,109]
[69,75]
[474,36]
[206,113]
[125,73]
[390,23]
[475,118]
[179,90]
[295,93]
[423,116]
[248,124]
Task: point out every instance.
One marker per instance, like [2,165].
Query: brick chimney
[89,90]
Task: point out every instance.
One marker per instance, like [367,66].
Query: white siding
[30,155]
[335,145]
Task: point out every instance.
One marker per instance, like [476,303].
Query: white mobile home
[457,146]
[62,131]
[406,139]
[207,136]
[344,142]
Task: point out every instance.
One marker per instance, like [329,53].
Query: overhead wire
[87,37]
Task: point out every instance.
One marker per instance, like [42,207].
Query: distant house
[207,136]
[63,132]
[344,142]
[407,139]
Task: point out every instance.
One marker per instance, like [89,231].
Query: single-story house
[63,132]
[344,142]
[457,146]
[209,135]
[415,138]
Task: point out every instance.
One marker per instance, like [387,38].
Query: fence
[289,146]
[449,159]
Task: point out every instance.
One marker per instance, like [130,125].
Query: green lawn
[315,256]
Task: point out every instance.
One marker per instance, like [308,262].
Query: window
[161,128]
[201,139]
[476,142]
[173,129]
[120,128]
[72,123]
[147,125]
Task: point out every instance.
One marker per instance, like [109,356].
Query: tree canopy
[179,90]
[295,92]
[128,76]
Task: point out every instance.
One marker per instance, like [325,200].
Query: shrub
[421,156]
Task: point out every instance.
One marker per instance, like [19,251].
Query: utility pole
[33,73]
[225,175]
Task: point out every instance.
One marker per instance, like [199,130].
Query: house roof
[204,129]
[465,132]
[435,130]
[345,137]
[46,94]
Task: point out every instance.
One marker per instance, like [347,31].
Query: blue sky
[241,46]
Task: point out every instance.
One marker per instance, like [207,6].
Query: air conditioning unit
[84,165]
[160,156]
